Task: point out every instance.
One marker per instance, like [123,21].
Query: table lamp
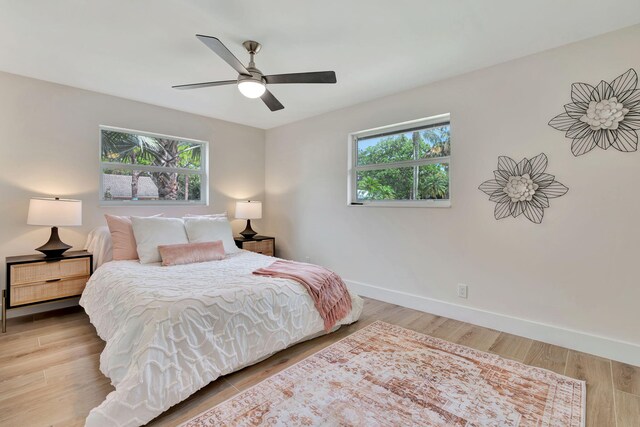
[54,212]
[248,210]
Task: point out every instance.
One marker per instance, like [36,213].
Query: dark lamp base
[248,232]
[54,247]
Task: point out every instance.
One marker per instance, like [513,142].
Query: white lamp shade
[249,210]
[54,212]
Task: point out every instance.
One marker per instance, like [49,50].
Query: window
[146,168]
[401,165]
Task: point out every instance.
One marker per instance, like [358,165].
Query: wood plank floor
[49,372]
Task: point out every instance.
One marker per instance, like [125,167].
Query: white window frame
[203,172]
[353,168]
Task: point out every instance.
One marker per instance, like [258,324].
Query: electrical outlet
[463,290]
[307,259]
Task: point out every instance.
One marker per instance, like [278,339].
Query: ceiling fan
[251,82]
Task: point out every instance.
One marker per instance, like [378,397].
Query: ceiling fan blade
[271,101]
[313,77]
[221,50]
[205,84]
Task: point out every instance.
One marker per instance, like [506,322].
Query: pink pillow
[122,238]
[189,253]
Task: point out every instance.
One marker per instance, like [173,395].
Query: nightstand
[261,244]
[34,279]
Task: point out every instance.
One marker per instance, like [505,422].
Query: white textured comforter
[172,330]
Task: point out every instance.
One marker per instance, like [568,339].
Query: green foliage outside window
[428,181]
[128,148]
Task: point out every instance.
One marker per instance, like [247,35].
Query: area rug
[385,375]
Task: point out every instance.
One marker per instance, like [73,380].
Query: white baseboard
[577,340]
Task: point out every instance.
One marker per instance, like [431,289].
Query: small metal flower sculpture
[522,188]
[607,115]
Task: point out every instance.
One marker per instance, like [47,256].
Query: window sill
[120,203]
[403,204]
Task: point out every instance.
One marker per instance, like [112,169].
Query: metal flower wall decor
[607,115]
[522,188]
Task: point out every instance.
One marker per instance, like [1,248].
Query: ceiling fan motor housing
[253,48]
[256,76]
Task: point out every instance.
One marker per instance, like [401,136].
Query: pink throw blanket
[326,288]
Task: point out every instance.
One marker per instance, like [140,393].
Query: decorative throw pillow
[210,230]
[122,238]
[153,232]
[189,253]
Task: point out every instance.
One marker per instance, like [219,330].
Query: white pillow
[99,244]
[150,232]
[209,230]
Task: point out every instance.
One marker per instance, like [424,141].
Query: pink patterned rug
[386,375]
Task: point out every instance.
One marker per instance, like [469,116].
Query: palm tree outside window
[148,168]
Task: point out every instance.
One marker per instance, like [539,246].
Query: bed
[170,331]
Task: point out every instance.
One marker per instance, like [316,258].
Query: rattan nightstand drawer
[42,271]
[45,291]
[264,247]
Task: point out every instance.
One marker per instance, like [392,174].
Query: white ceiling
[138,49]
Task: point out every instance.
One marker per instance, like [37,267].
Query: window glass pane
[435,142]
[385,184]
[430,142]
[433,182]
[385,149]
[130,148]
[120,184]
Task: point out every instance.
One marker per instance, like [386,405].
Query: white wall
[577,271]
[49,147]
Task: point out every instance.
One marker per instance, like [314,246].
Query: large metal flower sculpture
[522,188]
[607,115]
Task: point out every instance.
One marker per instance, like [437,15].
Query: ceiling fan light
[251,88]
